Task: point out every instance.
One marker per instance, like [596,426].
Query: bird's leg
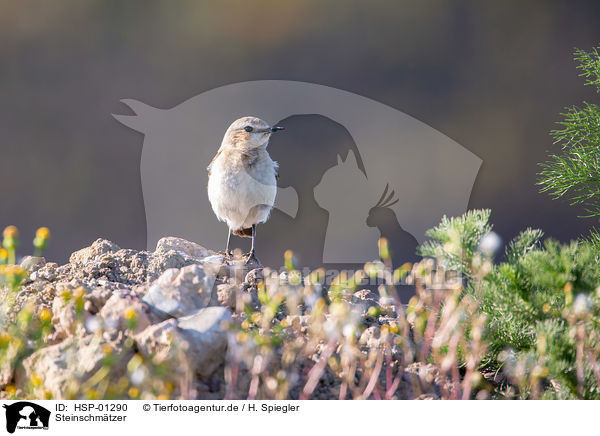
[227,252]
[251,255]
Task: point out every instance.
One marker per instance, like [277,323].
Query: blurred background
[493,76]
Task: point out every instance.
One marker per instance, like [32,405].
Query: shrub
[542,304]
[573,174]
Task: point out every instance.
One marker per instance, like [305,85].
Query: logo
[26,415]
[350,171]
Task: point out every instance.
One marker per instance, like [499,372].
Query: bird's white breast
[242,195]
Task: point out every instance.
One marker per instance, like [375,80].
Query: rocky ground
[171,305]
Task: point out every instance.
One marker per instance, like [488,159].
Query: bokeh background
[493,76]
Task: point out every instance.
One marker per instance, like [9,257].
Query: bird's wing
[211,162]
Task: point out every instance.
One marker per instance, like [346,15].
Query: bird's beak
[276,129]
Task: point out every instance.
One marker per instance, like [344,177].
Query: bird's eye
[248,129]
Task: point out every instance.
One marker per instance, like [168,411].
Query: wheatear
[242,178]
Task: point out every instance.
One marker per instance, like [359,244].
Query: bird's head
[381,211]
[249,133]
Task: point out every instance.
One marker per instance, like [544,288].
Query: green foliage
[541,304]
[455,240]
[575,173]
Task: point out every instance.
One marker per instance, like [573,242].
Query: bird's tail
[244,233]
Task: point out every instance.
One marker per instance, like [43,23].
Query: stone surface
[254,276]
[161,341]
[227,295]
[183,246]
[64,366]
[182,295]
[64,317]
[115,313]
[365,297]
[46,272]
[200,339]
[179,292]
[32,263]
[206,332]
[97,299]
[370,337]
[88,254]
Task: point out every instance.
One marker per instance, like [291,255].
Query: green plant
[542,306]
[297,343]
[575,173]
[455,241]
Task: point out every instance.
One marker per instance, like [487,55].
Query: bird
[242,179]
[403,245]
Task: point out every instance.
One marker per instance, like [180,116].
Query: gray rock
[115,312]
[366,298]
[370,337]
[10,361]
[32,263]
[65,317]
[206,332]
[64,366]
[45,272]
[172,252]
[161,261]
[179,292]
[161,341]
[97,299]
[88,254]
[183,246]
[254,277]
[199,339]
[227,295]
[217,266]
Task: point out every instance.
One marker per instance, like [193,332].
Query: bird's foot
[252,258]
[227,255]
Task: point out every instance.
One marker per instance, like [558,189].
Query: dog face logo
[26,415]
[339,152]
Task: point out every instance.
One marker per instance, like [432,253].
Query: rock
[370,337]
[216,260]
[161,341]
[424,379]
[32,263]
[253,264]
[179,292]
[181,245]
[45,272]
[88,254]
[119,312]
[365,297]
[254,277]
[232,270]
[10,360]
[206,333]
[97,299]
[161,261]
[65,317]
[227,295]
[200,339]
[172,252]
[61,368]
